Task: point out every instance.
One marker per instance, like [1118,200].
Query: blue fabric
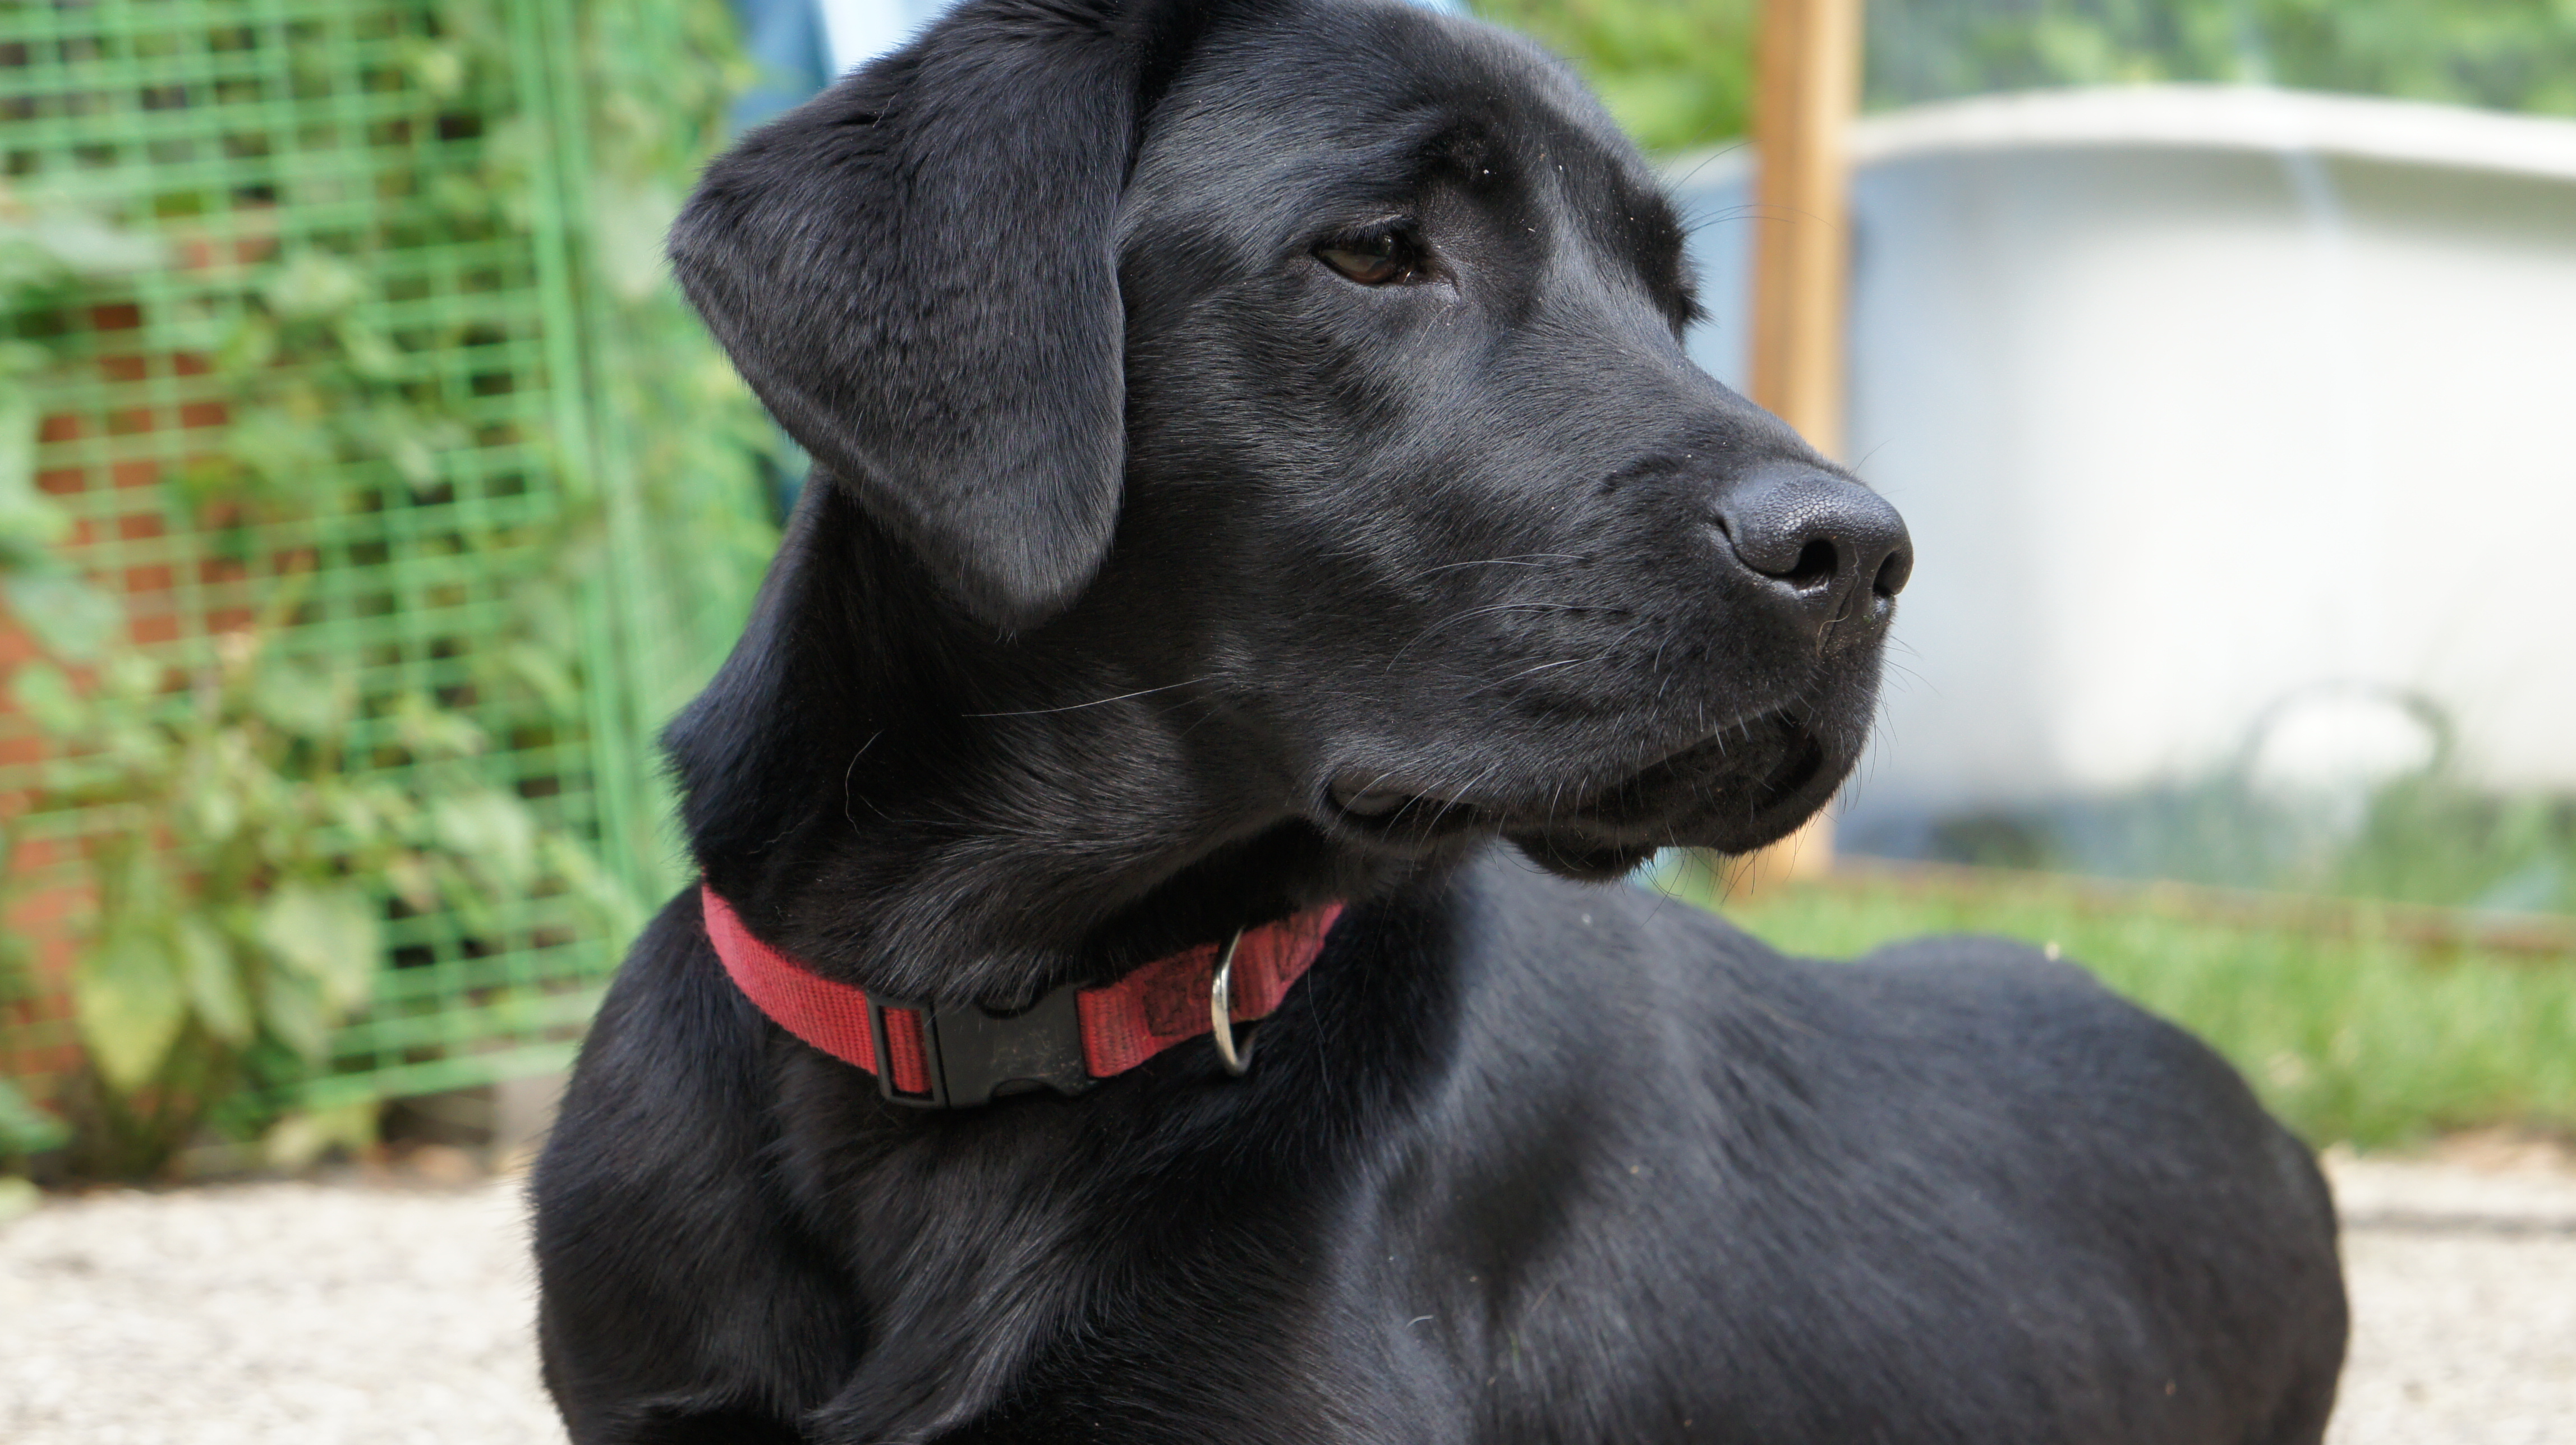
[784,38]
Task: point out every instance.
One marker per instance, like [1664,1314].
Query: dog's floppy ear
[914,270]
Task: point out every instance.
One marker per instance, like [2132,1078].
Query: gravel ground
[336,1314]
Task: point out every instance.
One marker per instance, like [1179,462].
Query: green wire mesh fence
[367,256]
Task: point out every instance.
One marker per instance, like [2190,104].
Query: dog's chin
[1571,855]
[1732,794]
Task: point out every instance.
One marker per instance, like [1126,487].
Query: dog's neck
[891,793]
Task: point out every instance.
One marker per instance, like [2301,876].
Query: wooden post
[1804,97]
[1805,93]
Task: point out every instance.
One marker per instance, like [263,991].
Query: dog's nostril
[1893,572]
[1816,565]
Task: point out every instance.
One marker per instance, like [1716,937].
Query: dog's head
[1314,366]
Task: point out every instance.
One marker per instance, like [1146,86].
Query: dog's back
[1953,1191]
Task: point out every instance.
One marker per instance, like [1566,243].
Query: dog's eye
[1374,260]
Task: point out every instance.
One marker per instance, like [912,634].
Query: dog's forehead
[1327,102]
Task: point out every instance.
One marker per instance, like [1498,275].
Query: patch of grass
[2352,1035]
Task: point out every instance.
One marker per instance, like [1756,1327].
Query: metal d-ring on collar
[1221,1010]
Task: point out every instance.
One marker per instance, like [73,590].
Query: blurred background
[367,499]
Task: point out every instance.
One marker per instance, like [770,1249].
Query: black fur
[1157,578]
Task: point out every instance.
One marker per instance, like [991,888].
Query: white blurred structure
[2200,400]
[858,31]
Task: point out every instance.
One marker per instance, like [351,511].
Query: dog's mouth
[1734,793]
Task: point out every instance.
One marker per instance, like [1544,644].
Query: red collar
[956,1056]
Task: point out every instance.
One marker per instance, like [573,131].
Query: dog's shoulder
[655,1184]
[674,1049]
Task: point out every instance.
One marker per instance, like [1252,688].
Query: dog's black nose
[1833,549]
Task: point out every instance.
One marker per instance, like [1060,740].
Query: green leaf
[86,245]
[17,953]
[290,1006]
[214,804]
[439,69]
[138,746]
[19,358]
[298,699]
[327,934]
[279,445]
[370,354]
[130,676]
[297,1140]
[248,346]
[433,732]
[129,1002]
[545,674]
[409,876]
[30,521]
[369,815]
[309,285]
[490,830]
[24,1128]
[616,911]
[25,533]
[45,694]
[631,220]
[214,980]
[68,616]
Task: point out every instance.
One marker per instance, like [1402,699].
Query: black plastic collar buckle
[973,1057]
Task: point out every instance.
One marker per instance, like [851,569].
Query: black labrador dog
[1257,472]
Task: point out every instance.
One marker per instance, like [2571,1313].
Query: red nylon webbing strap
[1166,1001]
[1123,1024]
[831,1016]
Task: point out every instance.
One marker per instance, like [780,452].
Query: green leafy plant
[2434,837]
[1678,73]
[46,255]
[2430,835]
[239,906]
[2500,54]
[246,820]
